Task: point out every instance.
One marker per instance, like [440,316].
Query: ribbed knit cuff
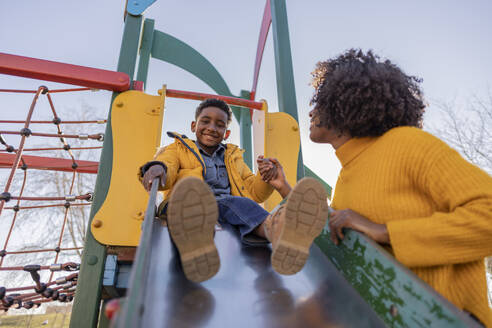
[402,240]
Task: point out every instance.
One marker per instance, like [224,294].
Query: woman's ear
[227,134]
[193,126]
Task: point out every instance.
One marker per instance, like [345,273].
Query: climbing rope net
[46,287]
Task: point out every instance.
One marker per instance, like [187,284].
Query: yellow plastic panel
[136,120]
[282,141]
[276,135]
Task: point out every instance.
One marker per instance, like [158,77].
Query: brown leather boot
[191,217]
[293,227]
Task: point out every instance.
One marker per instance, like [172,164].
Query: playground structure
[65,285]
[368,280]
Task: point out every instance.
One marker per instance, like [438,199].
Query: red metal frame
[63,73]
[50,163]
[265,27]
[202,96]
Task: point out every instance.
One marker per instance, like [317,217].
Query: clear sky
[447,43]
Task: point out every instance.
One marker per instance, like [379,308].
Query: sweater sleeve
[460,230]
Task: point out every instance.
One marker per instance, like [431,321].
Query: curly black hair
[214,102]
[360,95]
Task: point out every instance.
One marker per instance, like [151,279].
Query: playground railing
[133,309]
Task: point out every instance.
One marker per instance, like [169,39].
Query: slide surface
[246,292]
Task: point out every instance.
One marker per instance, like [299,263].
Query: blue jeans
[240,212]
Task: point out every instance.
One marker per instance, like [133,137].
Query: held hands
[350,219]
[273,173]
[153,172]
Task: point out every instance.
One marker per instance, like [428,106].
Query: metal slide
[246,292]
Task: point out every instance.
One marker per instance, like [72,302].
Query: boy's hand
[350,219]
[266,168]
[278,179]
[153,172]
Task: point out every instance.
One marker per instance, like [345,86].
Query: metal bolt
[97,223]
[295,128]
[119,104]
[92,260]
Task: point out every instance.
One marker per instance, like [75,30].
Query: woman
[399,185]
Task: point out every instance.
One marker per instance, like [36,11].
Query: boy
[205,179]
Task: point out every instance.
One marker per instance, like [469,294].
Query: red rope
[15,217]
[43,250]
[68,266]
[45,206]
[86,197]
[18,158]
[21,145]
[54,135]
[63,225]
[54,148]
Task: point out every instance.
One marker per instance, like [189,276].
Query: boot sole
[306,213]
[191,218]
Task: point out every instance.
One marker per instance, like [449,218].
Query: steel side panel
[136,127]
[399,297]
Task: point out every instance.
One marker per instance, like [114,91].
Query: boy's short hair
[214,102]
[358,94]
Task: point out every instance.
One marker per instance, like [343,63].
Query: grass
[57,320]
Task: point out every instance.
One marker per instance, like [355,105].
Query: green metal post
[283,67]
[88,295]
[145,49]
[245,132]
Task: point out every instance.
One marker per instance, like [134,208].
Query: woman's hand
[353,220]
[153,172]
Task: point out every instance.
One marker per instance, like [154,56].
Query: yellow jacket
[437,208]
[183,159]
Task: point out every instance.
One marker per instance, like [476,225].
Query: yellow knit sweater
[436,205]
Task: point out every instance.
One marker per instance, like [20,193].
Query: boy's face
[210,128]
